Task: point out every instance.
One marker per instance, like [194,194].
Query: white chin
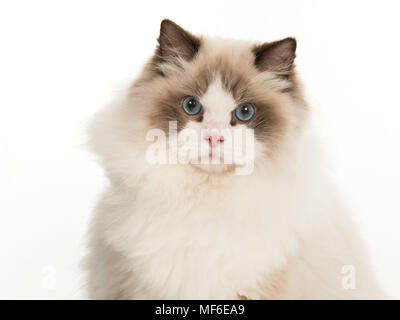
[215,168]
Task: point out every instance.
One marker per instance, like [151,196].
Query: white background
[60,61]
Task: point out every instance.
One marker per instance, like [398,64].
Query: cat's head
[216,92]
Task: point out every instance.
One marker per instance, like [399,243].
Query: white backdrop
[60,61]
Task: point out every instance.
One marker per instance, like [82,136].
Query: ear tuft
[174,42]
[276,56]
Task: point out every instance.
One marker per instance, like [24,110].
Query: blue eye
[244,112]
[191,106]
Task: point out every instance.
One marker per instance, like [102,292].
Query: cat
[202,230]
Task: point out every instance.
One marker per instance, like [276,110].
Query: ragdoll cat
[194,229]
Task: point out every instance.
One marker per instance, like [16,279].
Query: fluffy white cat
[202,231]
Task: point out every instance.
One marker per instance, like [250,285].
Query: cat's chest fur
[209,240]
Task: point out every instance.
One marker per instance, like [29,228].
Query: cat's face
[226,98]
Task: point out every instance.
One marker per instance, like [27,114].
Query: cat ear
[276,56]
[175,42]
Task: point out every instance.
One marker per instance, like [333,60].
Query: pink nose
[213,140]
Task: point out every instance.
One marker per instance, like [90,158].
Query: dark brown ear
[174,41]
[276,56]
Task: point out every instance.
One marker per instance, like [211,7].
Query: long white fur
[176,232]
